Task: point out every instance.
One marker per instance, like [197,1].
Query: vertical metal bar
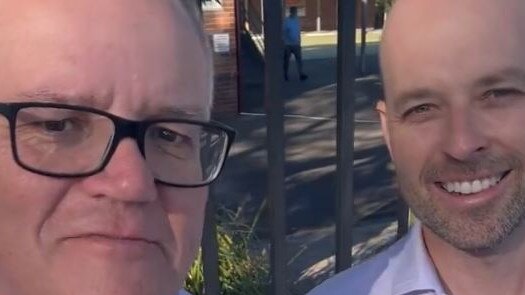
[345,132]
[239,24]
[210,250]
[274,103]
[364,23]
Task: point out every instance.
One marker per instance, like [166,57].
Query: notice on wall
[300,4]
[221,43]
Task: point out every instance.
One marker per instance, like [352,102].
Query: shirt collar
[415,272]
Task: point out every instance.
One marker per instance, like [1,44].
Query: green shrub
[242,270]
[384,5]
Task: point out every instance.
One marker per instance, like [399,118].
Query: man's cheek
[186,218]
[187,232]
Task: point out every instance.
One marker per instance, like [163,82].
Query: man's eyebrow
[55,97]
[506,74]
[186,112]
[413,95]
[182,112]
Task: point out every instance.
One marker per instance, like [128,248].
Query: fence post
[210,250]
[274,73]
[345,132]
[364,24]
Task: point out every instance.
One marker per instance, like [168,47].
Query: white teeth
[457,187]
[466,188]
[485,184]
[473,187]
[476,186]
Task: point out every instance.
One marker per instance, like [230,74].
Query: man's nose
[126,177]
[464,136]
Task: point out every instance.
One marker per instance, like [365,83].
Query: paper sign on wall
[221,43]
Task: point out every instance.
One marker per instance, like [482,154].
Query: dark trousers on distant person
[296,51]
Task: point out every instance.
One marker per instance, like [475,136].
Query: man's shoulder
[370,277]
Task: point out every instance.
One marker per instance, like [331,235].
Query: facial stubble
[480,229]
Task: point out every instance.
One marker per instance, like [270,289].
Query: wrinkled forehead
[129,54]
[459,41]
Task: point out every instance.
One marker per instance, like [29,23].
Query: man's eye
[57,126]
[170,136]
[502,92]
[52,126]
[417,110]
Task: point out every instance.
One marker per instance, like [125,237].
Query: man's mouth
[470,187]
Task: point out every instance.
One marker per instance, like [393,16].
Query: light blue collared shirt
[405,268]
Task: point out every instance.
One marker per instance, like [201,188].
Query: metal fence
[346,67]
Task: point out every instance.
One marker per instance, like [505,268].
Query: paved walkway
[310,129]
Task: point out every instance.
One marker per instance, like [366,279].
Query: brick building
[220,23]
[317,15]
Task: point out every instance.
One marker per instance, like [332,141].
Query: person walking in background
[292,43]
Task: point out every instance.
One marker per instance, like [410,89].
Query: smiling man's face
[116,232]
[454,115]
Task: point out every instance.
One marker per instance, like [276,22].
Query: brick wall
[328,13]
[222,21]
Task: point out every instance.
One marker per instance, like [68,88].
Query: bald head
[421,33]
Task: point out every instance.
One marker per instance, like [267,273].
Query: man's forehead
[141,51]
[418,20]
[90,12]
[423,9]
[176,107]
[110,6]
[430,40]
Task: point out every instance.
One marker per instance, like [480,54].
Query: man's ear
[381,109]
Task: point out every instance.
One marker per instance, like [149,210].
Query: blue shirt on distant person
[292,31]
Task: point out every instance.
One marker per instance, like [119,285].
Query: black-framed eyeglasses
[62,140]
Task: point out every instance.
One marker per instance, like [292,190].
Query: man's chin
[98,286]
[476,232]
[95,277]
[474,223]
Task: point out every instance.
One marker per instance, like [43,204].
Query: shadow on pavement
[310,168]
[310,176]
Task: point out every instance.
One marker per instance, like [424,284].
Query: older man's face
[132,58]
[455,115]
